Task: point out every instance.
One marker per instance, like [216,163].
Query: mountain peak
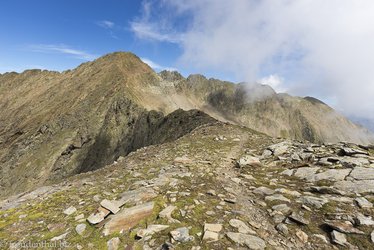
[127,62]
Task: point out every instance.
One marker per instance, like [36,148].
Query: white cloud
[322,48]
[145,28]
[274,81]
[150,32]
[156,66]
[105,24]
[62,49]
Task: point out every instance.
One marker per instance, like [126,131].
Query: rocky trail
[218,187]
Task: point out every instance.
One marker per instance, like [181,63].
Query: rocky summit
[112,155]
[221,186]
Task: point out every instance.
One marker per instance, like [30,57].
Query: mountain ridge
[50,121]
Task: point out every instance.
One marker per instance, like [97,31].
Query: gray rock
[343,227]
[303,237]
[362,173]
[263,191]
[151,229]
[266,154]
[282,228]
[210,236]
[361,219]
[332,175]
[295,157]
[288,192]
[113,244]
[213,227]
[351,162]
[312,201]
[321,237]
[288,172]
[298,218]
[128,218]
[338,238]
[362,202]
[250,241]
[326,190]
[277,197]
[80,228]
[306,173]
[283,208]
[280,148]
[98,216]
[110,206]
[79,217]
[351,151]
[70,210]
[249,161]
[361,186]
[372,236]
[60,237]
[278,218]
[241,226]
[181,235]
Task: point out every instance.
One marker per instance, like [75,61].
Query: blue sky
[60,35]
[314,48]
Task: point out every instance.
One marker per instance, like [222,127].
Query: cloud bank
[307,47]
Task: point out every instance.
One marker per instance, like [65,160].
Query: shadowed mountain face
[54,125]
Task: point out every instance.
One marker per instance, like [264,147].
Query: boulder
[128,218]
[338,238]
[181,235]
[250,241]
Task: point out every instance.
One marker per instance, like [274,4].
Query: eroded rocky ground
[219,187]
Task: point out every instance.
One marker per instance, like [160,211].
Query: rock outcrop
[191,193]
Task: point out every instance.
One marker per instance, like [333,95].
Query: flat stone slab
[213,227]
[277,197]
[343,227]
[360,186]
[332,175]
[112,207]
[317,202]
[362,173]
[70,210]
[362,202]
[248,161]
[263,191]
[128,218]
[306,173]
[298,218]
[338,238]
[241,226]
[210,236]
[351,162]
[250,241]
[98,216]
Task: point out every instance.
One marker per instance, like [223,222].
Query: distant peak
[125,60]
[170,75]
[120,55]
[314,100]
[196,77]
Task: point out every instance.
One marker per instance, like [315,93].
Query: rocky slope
[54,125]
[219,187]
